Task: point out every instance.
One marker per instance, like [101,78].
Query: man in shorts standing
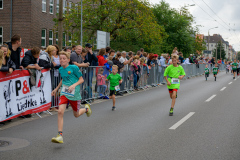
[175,72]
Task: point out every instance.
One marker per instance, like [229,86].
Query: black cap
[88,45]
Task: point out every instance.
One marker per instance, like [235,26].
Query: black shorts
[234,70]
[206,75]
[113,92]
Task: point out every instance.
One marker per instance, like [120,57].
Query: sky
[223,14]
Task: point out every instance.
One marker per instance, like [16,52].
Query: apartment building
[32,20]
[211,44]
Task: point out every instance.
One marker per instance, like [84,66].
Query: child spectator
[136,71]
[101,82]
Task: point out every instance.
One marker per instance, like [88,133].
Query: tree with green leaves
[178,26]
[130,23]
[219,47]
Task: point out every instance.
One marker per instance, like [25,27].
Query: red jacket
[101,62]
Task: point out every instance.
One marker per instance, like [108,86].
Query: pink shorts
[75,104]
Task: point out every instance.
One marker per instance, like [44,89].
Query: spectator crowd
[132,67]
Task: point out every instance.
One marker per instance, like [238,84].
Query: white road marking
[223,88]
[230,83]
[176,125]
[209,99]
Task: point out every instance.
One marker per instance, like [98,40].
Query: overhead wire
[216,20]
[222,20]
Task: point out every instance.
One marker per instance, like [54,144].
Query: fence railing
[95,86]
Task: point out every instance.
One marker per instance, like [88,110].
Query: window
[70,6]
[51,2]
[56,37]
[44,5]
[1,35]
[64,39]
[70,39]
[64,6]
[43,42]
[211,45]
[50,37]
[57,6]
[1,4]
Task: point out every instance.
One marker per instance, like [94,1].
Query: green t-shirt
[206,70]
[234,66]
[174,72]
[71,75]
[114,80]
[215,70]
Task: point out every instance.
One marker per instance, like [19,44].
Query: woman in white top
[55,74]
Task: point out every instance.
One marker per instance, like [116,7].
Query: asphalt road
[139,128]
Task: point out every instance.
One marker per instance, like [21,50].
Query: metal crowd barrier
[95,87]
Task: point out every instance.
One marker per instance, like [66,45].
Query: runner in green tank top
[234,68]
[215,71]
[175,72]
[206,71]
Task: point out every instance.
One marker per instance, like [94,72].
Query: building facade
[211,44]
[32,20]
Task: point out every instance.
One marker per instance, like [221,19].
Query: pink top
[100,79]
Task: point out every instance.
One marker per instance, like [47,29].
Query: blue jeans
[135,79]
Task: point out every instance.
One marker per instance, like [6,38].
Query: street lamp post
[208,36]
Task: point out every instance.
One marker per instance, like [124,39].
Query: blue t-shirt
[71,75]
[105,56]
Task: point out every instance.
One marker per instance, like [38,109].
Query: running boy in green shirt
[115,79]
[175,72]
[206,72]
[70,92]
[215,71]
[234,68]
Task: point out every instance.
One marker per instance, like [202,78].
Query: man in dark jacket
[29,61]
[15,49]
[90,57]
[92,60]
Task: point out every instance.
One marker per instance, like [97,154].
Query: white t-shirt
[57,61]
[122,60]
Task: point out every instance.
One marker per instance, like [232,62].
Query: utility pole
[81,26]
[220,46]
[60,25]
[216,51]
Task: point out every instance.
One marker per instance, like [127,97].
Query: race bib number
[66,92]
[175,81]
[117,88]
[206,71]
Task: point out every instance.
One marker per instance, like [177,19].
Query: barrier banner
[18,97]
